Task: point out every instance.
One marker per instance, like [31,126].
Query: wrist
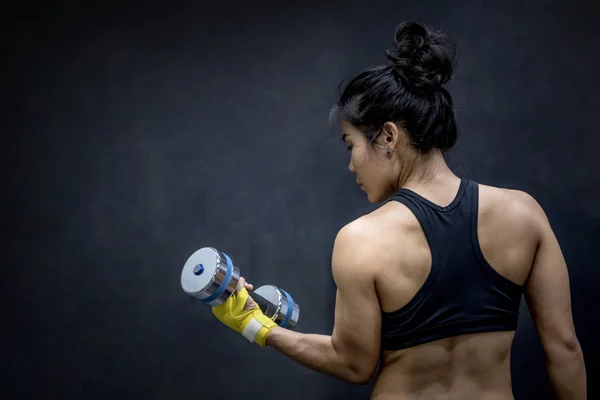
[263,326]
[271,336]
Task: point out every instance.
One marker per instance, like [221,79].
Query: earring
[388,151]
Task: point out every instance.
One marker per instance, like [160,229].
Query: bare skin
[381,260]
[473,366]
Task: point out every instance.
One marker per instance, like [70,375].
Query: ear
[391,135]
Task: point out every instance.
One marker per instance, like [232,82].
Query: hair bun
[423,58]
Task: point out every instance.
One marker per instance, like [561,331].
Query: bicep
[548,292]
[357,329]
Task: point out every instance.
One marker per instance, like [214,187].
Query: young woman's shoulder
[511,206]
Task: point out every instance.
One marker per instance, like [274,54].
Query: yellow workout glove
[252,324]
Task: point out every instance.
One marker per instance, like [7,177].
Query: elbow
[358,379]
[571,344]
[359,376]
[565,347]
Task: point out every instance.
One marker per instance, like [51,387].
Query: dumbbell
[210,276]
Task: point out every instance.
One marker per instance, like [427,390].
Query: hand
[242,314]
[250,303]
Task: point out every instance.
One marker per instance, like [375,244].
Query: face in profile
[370,164]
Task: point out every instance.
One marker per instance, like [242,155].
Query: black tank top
[463,294]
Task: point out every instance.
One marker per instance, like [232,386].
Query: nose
[351,167]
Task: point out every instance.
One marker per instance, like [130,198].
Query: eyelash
[348,148]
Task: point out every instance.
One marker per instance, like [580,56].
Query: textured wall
[134,135]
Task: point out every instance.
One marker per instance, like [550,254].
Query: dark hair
[408,91]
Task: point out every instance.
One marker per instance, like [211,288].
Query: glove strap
[251,330]
[258,328]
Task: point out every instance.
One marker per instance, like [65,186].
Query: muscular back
[470,366]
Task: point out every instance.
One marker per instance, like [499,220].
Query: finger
[249,286]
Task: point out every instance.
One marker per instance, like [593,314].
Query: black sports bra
[463,294]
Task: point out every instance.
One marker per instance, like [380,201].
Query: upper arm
[357,329]
[547,288]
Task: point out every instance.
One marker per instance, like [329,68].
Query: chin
[375,198]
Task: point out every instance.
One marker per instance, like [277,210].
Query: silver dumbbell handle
[268,308]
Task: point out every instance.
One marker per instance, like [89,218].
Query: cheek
[358,157]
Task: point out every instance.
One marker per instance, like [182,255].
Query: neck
[426,170]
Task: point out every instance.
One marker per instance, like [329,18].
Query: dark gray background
[133,135]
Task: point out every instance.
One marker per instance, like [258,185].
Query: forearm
[566,369]
[313,351]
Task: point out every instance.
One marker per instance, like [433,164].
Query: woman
[429,283]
